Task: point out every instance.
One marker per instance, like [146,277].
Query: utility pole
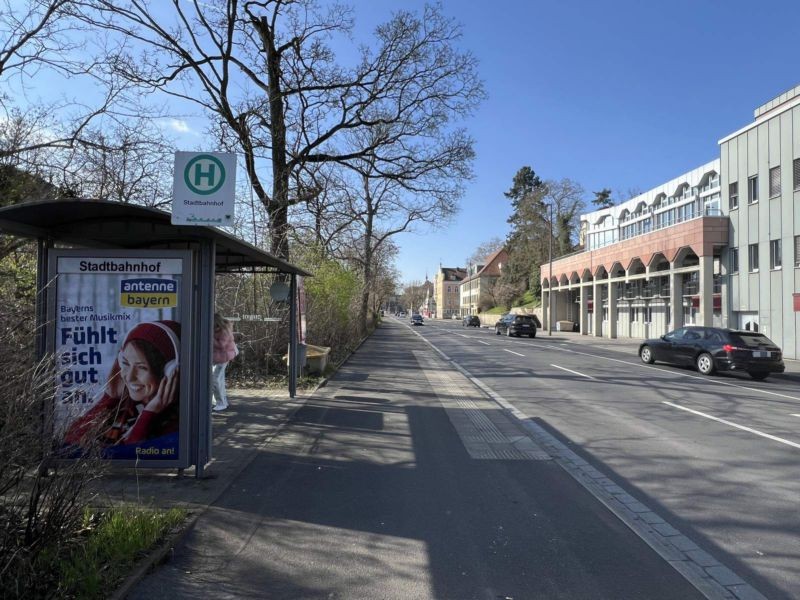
[550,279]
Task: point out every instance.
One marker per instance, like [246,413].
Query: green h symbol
[204,174]
[199,174]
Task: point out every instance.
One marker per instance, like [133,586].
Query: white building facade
[718,246]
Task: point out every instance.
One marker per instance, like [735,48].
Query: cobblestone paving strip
[486,432]
[713,579]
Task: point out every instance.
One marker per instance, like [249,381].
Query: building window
[752,255]
[797,251]
[796,174]
[774,254]
[733,195]
[774,182]
[734,260]
[752,190]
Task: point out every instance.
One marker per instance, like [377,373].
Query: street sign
[203,188]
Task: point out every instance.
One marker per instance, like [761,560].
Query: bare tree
[124,162]
[265,70]
[566,199]
[487,248]
[42,35]
[413,295]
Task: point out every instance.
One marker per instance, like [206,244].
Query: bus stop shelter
[111,228]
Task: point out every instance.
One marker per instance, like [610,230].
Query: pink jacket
[225,349]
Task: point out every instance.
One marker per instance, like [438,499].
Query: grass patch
[113,541]
[496,310]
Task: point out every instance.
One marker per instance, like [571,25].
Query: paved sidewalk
[252,420]
[399,479]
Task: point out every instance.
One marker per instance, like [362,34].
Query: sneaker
[219,408]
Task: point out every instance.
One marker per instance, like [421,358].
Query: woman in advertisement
[141,397]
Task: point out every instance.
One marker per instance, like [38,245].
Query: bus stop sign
[203,188]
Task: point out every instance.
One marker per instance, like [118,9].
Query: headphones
[171,366]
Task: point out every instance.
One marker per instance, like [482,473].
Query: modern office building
[761,199]
[719,245]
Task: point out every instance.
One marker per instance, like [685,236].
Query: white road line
[701,378]
[602,489]
[732,424]
[794,415]
[574,372]
[422,337]
[484,343]
[512,352]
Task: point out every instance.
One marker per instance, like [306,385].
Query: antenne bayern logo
[204,174]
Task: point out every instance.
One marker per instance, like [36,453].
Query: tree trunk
[368,251]
[277,207]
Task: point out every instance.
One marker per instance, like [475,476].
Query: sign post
[203,189]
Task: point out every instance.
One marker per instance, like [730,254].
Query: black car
[516,325]
[715,349]
[417,320]
[471,321]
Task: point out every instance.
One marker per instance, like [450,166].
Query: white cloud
[179,126]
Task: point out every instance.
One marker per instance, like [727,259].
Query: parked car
[516,325]
[455,317]
[471,321]
[712,349]
[417,320]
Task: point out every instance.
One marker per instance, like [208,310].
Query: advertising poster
[117,343]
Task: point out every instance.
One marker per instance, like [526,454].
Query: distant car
[455,317]
[417,320]
[401,314]
[516,325]
[712,349]
[471,321]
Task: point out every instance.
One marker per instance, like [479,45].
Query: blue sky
[618,94]
[622,94]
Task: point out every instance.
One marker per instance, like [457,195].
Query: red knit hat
[156,333]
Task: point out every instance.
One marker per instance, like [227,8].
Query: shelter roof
[102,224]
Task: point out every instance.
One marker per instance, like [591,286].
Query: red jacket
[148,424]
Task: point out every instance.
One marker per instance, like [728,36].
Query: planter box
[317,358]
[565,326]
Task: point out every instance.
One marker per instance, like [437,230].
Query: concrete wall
[764,297]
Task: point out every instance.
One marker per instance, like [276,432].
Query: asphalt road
[403,479]
[717,457]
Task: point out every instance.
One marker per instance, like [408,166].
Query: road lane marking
[484,343]
[794,415]
[485,432]
[574,372]
[701,378]
[732,424]
[667,541]
[512,352]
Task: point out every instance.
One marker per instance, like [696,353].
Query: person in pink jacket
[225,351]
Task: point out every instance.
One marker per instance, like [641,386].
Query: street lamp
[550,279]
